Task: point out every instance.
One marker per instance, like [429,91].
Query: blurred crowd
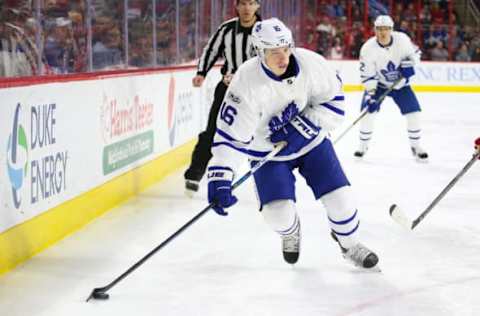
[57,36]
[41,37]
[337,28]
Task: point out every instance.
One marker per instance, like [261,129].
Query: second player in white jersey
[387,61]
[379,64]
[294,96]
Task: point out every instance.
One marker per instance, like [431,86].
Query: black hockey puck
[100,296]
[392,208]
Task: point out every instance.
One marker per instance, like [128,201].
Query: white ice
[233,265]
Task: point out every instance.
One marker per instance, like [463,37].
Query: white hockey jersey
[256,95]
[379,64]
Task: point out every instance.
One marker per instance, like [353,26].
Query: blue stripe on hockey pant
[320,168]
[342,214]
[404,98]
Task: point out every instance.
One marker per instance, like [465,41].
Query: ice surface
[234,266]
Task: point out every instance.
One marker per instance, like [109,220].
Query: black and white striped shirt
[231,41]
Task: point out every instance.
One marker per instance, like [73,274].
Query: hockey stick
[399,216]
[365,111]
[101,292]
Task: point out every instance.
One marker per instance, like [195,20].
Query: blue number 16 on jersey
[227,113]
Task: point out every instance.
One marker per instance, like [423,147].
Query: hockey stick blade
[399,216]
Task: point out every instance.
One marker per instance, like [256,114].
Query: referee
[232,41]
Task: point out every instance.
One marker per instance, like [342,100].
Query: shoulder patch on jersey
[234,98]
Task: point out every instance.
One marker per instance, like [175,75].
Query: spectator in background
[468,33]
[454,39]
[56,9]
[403,27]
[376,8]
[356,14]
[100,26]
[409,14]
[476,54]
[18,53]
[358,39]
[336,52]
[338,8]
[438,14]
[79,40]
[141,54]
[166,48]
[58,47]
[311,42]
[432,36]
[108,52]
[462,54]
[474,42]
[425,15]
[326,31]
[439,53]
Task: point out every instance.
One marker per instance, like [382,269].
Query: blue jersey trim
[230,138]
[388,45]
[269,73]
[370,78]
[332,108]
[250,152]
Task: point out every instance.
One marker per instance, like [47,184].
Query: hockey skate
[291,245]
[419,154]
[359,255]
[191,187]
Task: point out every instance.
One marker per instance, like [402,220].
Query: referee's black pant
[202,153]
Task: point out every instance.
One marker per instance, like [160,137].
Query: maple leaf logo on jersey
[391,74]
[277,123]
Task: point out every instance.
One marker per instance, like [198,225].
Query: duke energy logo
[17,157]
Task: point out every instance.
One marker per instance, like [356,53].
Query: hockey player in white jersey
[384,59]
[292,95]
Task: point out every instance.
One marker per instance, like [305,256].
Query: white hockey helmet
[271,33]
[383,20]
